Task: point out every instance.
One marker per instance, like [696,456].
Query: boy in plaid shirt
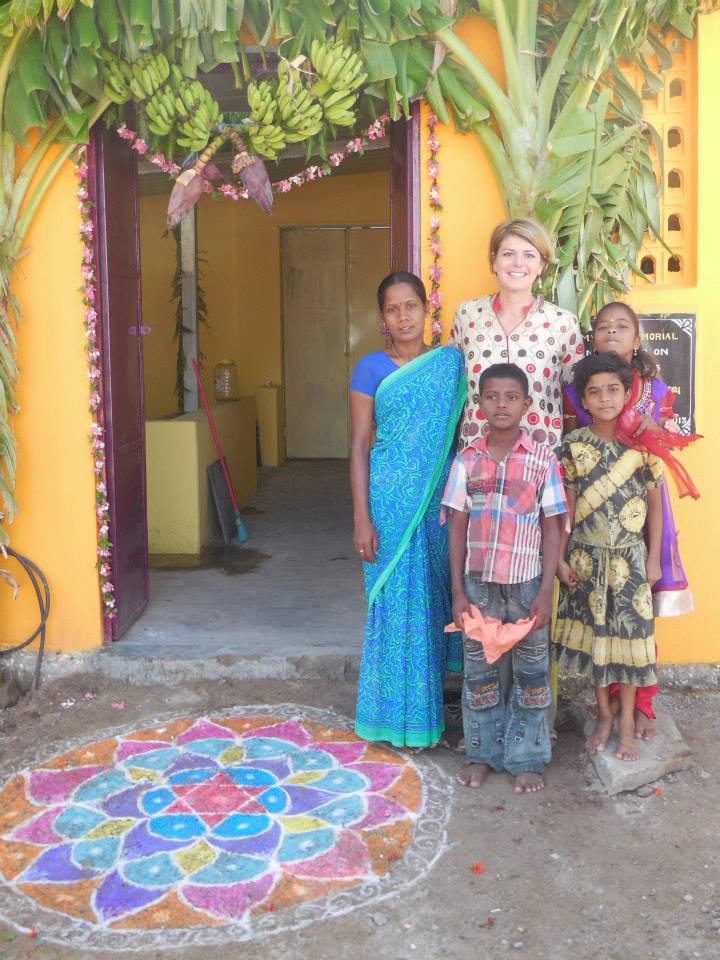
[506,501]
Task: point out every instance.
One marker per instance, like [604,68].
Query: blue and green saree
[406,653]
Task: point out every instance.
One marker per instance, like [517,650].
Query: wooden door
[114,170]
[368,261]
[314,338]
[330,320]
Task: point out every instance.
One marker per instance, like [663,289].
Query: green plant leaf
[379,60]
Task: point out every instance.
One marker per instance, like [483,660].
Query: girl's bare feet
[597,741]
[644,726]
[529,782]
[614,708]
[626,749]
[473,775]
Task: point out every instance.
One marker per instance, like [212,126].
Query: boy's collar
[524,440]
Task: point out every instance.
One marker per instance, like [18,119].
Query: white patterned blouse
[546,345]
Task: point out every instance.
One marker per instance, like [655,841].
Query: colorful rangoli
[212,829]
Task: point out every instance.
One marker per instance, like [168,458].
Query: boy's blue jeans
[506,704]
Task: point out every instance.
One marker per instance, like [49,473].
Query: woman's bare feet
[529,782]
[597,741]
[644,726]
[473,775]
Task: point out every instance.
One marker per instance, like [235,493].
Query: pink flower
[436,329]
[434,194]
[105,569]
[101,487]
[91,315]
[433,169]
[283,186]
[435,299]
[434,223]
[435,271]
[311,173]
[158,159]
[433,145]
[87,228]
[336,159]
[82,171]
[434,247]
[107,588]
[354,146]
[140,146]
[125,133]
[82,193]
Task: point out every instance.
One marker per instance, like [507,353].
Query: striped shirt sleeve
[552,499]
[456,495]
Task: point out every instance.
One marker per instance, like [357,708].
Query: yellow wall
[472,206]
[179,451]
[241,276]
[55,488]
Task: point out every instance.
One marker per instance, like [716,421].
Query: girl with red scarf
[647,424]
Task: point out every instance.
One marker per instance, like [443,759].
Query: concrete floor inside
[294,588]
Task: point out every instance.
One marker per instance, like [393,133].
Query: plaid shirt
[504,499]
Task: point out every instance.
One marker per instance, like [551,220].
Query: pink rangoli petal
[290,730]
[132,747]
[54,786]
[380,775]
[348,858]
[205,730]
[344,752]
[229,901]
[40,830]
[380,810]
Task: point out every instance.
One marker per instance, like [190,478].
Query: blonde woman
[513,325]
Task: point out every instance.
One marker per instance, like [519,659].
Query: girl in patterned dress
[604,627]
[617,328]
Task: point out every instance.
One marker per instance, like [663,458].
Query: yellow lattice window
[673,113]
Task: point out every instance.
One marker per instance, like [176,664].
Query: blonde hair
[530,230]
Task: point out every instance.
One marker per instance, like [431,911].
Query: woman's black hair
[401,276]
[642,361]
[505,371]
[601,363]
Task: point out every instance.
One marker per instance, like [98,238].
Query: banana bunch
[337,67]
[198,113]
[263,134]
[161,111]
[117,77]
[300,115]
[139,80]
[340,72]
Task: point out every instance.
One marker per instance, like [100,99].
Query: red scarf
[658,442]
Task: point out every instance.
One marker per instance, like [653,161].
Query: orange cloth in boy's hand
[496,637]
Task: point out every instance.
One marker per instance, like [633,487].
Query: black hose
[42,594]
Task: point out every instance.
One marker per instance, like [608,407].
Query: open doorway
[297,575]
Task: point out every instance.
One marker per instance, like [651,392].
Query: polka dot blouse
[546,345]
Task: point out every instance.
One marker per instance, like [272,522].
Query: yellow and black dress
[604,627]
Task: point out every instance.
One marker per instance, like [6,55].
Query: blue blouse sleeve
[368,372]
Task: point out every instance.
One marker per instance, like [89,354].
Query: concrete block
[665,753]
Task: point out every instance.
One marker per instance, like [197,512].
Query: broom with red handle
[242,533]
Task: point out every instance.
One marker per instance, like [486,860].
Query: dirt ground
[570,874]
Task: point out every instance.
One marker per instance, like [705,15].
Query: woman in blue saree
[410,397]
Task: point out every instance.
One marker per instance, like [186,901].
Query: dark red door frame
[112,169]
[405,193]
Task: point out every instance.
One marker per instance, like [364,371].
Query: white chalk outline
[428,845]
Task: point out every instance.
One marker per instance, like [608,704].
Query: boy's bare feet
[529,782]
[597,741]
[473,775]
[644,727]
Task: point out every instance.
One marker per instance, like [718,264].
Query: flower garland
[89,291]
[376,131]
[435,270]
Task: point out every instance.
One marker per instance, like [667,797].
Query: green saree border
[432,481]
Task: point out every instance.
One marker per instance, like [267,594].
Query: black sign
[670,339]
